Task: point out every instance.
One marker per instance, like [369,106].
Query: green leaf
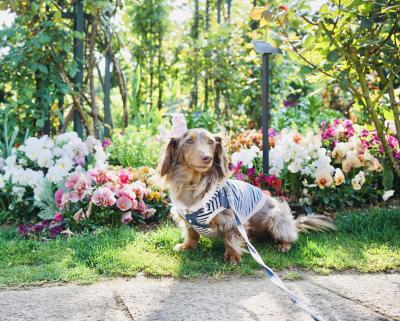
[333,56]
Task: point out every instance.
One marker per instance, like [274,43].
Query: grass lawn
[365,241]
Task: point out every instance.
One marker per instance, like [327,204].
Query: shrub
[135,147]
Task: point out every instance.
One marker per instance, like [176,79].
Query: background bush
[134,147]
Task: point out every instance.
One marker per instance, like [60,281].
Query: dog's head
[198,150]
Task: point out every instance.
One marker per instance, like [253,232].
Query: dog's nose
[206,159]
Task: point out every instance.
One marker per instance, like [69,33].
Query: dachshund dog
[194,165]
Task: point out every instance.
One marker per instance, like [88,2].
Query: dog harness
[247,199]
[244,200]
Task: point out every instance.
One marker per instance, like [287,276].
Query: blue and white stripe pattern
[247,198]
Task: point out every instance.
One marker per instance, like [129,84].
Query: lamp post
[265,49]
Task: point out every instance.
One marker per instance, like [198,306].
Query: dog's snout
[206,159]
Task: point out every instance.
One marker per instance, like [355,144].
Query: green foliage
[307,114]
[134,147]
[354,43]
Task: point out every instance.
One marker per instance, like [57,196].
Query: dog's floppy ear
[220,159]
[170,156]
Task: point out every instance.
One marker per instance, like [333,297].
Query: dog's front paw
[233,258]
[283,246]
[183,247]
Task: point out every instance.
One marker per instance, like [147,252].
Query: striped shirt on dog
[246,200]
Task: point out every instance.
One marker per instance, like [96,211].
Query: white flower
[324,178]
[246,156]
[65,164]
[358,181]
[2,181]
[18,191]
[56,174]
[339,152]
[387,195]
[65,138]
[45,158]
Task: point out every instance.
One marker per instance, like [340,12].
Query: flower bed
[67,184]
[341,165]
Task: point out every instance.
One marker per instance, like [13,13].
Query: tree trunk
[194,99]
[92,44]
[122,89]
[160,76]
[229,2]
[219,11]
[369,105]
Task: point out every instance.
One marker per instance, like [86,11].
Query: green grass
[366,242]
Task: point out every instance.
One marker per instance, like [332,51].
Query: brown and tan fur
[196,161]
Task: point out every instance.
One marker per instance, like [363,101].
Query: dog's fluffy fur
[193,164]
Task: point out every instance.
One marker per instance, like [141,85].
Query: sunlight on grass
[367,242]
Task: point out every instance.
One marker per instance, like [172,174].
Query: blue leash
[268,271]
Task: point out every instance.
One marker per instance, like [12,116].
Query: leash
[268,271]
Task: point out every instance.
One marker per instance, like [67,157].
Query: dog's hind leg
[280,225]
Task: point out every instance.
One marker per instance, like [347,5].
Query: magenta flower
[124,176]
[126,218]
[124,203]
[58,217]
[106,142]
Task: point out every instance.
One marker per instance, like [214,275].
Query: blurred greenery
[135,147]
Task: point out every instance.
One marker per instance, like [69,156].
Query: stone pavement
[335,297]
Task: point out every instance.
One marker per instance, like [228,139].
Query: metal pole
[265,111]
[78,57]
[107,84]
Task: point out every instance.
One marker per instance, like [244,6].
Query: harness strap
[257,257]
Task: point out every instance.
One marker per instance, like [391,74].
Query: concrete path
[336,297]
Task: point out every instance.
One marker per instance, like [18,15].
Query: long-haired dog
[193,165]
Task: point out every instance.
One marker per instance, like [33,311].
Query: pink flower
[126,191]
[149,213]
[124,203]
[139,188]
[58,197]
[58,217]
[141,207]
[103,196]
[126,218]
[73,197]
[100,176]
[124,176]
[71,180]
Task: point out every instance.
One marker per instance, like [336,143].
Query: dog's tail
[314,223]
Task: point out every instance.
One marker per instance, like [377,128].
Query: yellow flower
[339,177]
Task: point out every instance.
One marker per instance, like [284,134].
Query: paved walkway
[336,297]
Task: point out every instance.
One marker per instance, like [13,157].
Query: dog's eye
[189,141]
[211,142]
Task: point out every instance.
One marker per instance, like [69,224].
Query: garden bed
[366,241]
